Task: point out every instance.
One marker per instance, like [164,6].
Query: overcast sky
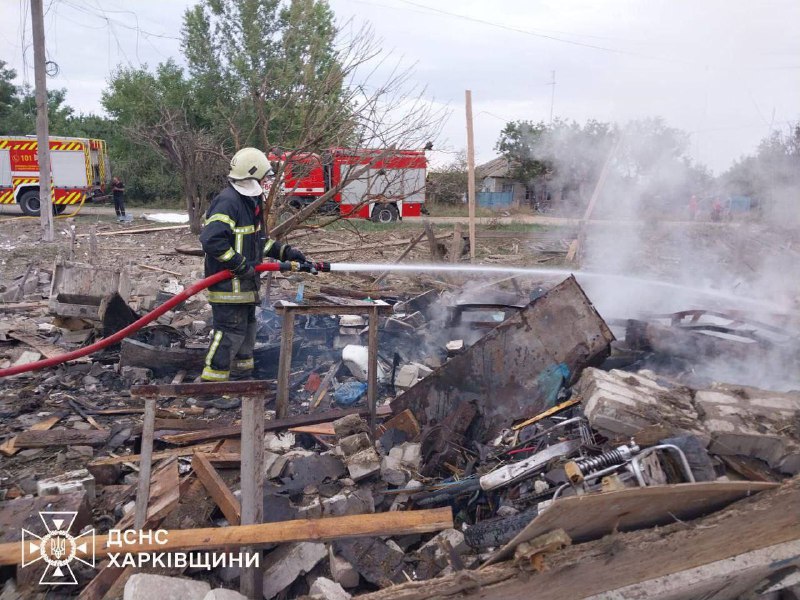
[728,71]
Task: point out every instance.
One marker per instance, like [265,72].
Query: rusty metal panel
[500,373]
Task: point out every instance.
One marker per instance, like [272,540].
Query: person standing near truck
[118,192]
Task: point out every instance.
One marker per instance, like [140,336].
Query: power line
[598,47]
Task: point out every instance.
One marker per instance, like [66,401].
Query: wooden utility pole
[470,176]
[42,128]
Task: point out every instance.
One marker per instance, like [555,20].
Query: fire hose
[197,287]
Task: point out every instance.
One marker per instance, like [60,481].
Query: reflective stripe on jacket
[232,235]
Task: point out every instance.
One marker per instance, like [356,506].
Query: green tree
[158,111]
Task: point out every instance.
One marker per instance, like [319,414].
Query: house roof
[497,167]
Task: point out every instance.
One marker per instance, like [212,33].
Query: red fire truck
[392,187]
[79,168]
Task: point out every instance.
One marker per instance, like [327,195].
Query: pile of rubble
[505,406]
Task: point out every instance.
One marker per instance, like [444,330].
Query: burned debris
[448,431]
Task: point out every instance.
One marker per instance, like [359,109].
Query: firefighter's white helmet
[248,167]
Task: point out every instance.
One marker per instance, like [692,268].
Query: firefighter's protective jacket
[233,235]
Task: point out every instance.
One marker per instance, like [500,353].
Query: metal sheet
[499,373]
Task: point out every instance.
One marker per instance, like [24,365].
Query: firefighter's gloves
[294,255]
[305,267]
[245,270]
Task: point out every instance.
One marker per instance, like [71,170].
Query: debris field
[426,436]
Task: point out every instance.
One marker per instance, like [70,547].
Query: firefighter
[118,192]
[233,239]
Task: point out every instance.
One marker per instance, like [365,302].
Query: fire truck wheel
[59,208]
[385,213]
[29,203]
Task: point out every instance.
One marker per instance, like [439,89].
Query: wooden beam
[234,388]
[470,174]
[590,517]
[9,447]
[145,465]
[372,368]
[236,430]
[321,530]
[134,458]
[62,437]
[324,385]
[216,488]
[134,231]
[456,244]
[252,478]
[284,364]
[433,245]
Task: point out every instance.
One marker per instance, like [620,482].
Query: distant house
[496,187]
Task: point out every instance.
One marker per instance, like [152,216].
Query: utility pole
[470,176]
[42,127]
[552,95]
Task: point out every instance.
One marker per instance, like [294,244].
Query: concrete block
[66,483]
[223,594]
[326,589]
[342,571]
[618,403]
[278,442]
[355,443]
[376,561]
[454,347]
[750,422]
[286,563]
[392,470]
[407,376]
[363,464]
[349,503]
[349,425]
[142,586]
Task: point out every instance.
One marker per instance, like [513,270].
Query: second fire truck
[390,184]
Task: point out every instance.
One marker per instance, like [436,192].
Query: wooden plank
[146,463]
[433,245]
[284,364]
[9,447]
[159,269]
[134,458]
[382,524]
[45,348]
[387,244]
[456,244]
[236,430]
[61,437]
[216,488]
[470,173]
[21,306]
[324,385]
[252,480]
[164,495]
[321,429]
[135,231]
[549,412]
[592,516]
[163,413]
[234,388]
[372,369]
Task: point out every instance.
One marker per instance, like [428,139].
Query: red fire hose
[157,312]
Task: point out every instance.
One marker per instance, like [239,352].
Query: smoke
[645,225]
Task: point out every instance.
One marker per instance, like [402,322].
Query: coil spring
[595,463]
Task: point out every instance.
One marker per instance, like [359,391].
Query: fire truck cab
[79,169]
[391,186]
